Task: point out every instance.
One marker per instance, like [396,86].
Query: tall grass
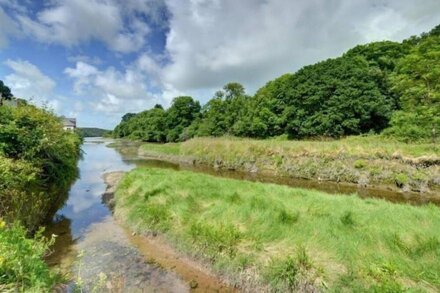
[365,160]
[361,147]
[286,238]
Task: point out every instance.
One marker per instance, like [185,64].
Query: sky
[96,60]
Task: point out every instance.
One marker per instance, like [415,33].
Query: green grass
[367,147]
[287,238]
[355,146]
[167,149]
[366,160]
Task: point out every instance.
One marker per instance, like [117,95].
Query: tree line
[381,87]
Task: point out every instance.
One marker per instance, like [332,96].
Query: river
[94,250]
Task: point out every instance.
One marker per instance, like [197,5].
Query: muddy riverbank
[157,250]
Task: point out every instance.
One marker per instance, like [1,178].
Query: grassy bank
[268,236]
[367,161]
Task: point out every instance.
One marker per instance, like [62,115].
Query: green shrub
[401,179]
[38,162]
[22,267]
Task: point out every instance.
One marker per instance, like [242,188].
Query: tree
[128,116]
[5,91]
[183,111]
[417,81]
[223,111]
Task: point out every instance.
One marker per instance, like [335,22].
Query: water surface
[90,245]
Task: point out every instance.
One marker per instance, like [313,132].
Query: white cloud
[213,42]
[117,91]
[27,81]
[72,22]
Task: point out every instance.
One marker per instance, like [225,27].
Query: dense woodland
[382,87]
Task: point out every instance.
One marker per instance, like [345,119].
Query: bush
[22,267]
[37,164]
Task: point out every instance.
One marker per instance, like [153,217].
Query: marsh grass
[365,160]
[293,238]
[353,146]
[167,148]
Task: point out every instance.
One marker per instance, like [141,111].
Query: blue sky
[98,59]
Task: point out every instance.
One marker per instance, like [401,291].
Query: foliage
[158,125]
[222,114]
[5,91]
[93,132]
[332,98]
[417,80]
[22,268]
[312,237]
[38,160]
[183,111]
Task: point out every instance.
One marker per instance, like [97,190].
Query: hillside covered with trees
[381,87]
[92,132]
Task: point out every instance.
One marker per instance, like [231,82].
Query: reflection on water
[84,205]
[85,224]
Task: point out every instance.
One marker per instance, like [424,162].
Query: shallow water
[90,245]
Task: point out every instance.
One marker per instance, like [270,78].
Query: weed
[401,180]
[360,164]
[303,258]
[284,273]
[22,267]
[347,219]
[215,239]
[287,218]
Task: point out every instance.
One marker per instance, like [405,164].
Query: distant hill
[93,132]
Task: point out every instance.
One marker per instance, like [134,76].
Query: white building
[69,124]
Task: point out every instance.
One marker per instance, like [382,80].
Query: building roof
[69,122]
